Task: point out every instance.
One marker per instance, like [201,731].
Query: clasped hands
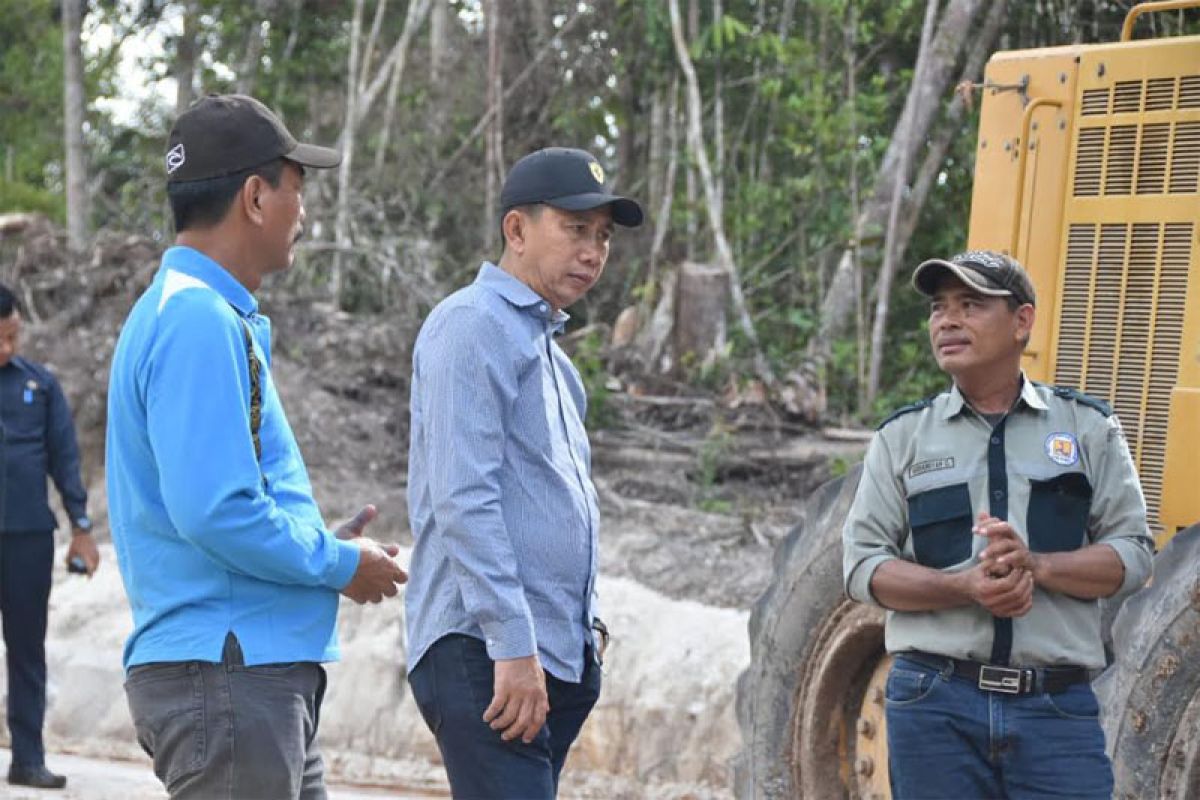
[1003,580]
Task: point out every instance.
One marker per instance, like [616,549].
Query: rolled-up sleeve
[876,522]
[468,383]
[1118,514]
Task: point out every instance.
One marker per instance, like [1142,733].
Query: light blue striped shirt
[500,493]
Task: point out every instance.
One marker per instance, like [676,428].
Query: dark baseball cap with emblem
[985,271]
[222,134]
[565,178]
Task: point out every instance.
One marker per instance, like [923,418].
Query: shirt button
[998,494]
[543,308]
[995,440]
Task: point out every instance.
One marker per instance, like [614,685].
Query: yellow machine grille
[1125,282]
[1122,326]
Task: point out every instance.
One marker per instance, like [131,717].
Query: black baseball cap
[565,178]
[985,271]
[221,134]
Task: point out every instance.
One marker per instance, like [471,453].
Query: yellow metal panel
[1126,318]
[1036,216]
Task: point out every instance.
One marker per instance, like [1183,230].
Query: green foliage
[589,360]
[31,100]
[23,197]
[710,461]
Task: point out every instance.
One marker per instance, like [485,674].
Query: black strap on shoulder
[1095,403]
[255,391]
[908,409]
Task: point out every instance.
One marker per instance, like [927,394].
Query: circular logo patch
[597,171]
[1062,448]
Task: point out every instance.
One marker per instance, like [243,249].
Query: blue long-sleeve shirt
[500,494]
[37,438]
[209,540]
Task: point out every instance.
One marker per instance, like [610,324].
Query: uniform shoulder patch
[1095,403]
[920,405]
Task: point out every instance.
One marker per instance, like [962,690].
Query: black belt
[1006,680]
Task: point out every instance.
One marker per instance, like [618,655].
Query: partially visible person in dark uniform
[989,521]
[37,438]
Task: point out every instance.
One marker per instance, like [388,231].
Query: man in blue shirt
[231,572]
[502,628]
[37,438]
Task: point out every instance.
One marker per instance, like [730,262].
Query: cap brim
[625,212]
[925,278]
[310,155]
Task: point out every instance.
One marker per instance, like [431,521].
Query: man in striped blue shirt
[502,628]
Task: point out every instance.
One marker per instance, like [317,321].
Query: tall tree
[713,203]
[921,109]
[78,207]
[185,57]
[342,221]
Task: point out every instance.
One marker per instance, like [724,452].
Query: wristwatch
[83,524]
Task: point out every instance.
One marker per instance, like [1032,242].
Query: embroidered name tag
[932,465]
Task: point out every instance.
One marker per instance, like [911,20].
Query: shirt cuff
[510,638]
[345,563]
[859,584]
[1137,561]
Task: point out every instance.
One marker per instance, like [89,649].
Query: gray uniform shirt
[1057,468]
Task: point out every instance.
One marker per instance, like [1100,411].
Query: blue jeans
[947,738]
[453,685]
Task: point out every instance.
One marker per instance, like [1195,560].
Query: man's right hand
[1007,596]
[519,702]
[377,576]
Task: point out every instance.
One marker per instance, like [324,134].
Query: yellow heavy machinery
[1088,171]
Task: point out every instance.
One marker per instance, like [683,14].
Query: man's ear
[1025,319]
[513,226]
[250,198]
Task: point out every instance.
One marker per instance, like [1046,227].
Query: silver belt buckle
[1000,679]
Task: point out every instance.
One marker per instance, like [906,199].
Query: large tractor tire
[810,705]
[1150,696]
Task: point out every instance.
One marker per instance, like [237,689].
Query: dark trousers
[453,685]
[228,731]
[26,559]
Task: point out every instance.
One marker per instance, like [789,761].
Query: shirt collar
[192,262]
[1029,396]
[520,295]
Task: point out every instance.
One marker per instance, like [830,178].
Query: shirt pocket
[941,525]
[1058,512]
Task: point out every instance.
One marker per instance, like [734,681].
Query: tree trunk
[718,115]
[185,58]
[413,19]
[493,158]
[439,26]
[921,108]
[492,110]
[703,296]
[78,210]
[724,252]
[887,271]
[248,71]
[342,222]
[364,71]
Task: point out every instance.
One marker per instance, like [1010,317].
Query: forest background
[809,151]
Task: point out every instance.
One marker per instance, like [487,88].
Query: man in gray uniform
[988,522]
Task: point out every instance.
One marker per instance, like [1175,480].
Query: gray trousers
[231,731]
